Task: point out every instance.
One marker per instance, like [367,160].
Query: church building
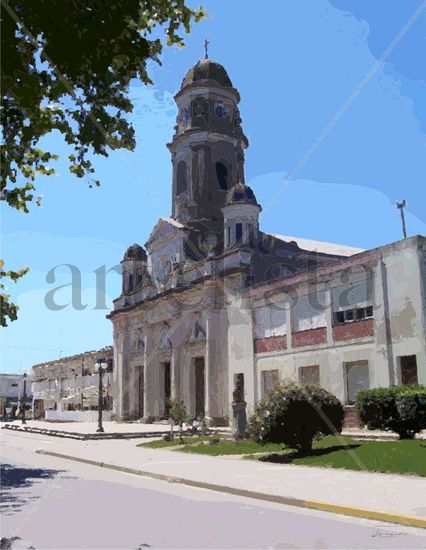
[211,301]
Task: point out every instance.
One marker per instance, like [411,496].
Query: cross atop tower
[206,48]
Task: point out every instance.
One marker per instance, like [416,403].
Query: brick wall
[351,418]
[357,329]
[273,343]
[309,337]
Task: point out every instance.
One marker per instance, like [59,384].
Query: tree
[178,414]
[66,67]
[8,309]
[295,414]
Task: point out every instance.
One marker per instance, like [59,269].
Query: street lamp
[101,365]
[24,398]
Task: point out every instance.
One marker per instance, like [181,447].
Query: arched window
[181,177]
[222,175]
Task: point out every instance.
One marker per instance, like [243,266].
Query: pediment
[164,229]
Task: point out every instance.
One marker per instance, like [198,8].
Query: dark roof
[135,252]
[241,193]
[206,69]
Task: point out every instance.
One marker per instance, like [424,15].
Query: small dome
[241,194]
[135,252]
[206,69]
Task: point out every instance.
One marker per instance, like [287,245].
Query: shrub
[401,409]
[294,415]
[178,413]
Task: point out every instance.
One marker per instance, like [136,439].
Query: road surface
[50,503]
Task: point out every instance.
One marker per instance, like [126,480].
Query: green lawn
[402,457]
[243,447]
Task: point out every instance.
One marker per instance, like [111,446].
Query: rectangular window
[340,317]
[408,366]
[360,313]
[270,321]
[310,312]
[310,375]
[357,379]
[238,232]
[270,380]
[349,315]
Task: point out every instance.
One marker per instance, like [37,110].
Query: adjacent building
[68,388]
[212,300]
[12,392]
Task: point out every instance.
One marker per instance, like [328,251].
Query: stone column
[186,382]
[175,368]
[125,378]
[216,364]
[152,381]
[145,392]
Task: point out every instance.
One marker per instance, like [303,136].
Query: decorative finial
[206,48]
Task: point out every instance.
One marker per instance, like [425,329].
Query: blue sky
[297,64]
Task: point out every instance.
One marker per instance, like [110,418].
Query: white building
[213,300]
[67,389]
[12,391]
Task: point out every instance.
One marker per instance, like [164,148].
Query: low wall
[77,416]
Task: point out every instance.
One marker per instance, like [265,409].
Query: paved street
[52,503]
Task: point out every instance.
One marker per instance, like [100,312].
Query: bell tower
[207,148]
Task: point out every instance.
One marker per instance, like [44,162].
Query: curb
[88,437]
[364,513]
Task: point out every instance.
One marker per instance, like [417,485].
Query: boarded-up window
[270,321]
[270,380]
[309,312]
[182,177]
[310,374]
[408,365]
[357,379]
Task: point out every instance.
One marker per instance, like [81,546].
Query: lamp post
[24,398]
[100,366]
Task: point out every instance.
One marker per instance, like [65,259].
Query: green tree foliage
[178,413]
[401,409]
[66,67]
[9,310]
[295,414]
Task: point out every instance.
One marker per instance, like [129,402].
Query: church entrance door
[199,387]
[167,388]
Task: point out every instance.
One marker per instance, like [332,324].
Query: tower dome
[241,194]
[240,217]
[206,69]
[135,252]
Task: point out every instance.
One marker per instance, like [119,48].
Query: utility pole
[401,205]
[24,399]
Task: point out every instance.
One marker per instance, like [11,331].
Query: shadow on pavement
[289,457]
[15,478]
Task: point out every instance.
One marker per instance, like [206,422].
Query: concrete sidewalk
[135,428]
[386,497]
[90,427]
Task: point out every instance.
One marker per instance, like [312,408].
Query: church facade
[211,301]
